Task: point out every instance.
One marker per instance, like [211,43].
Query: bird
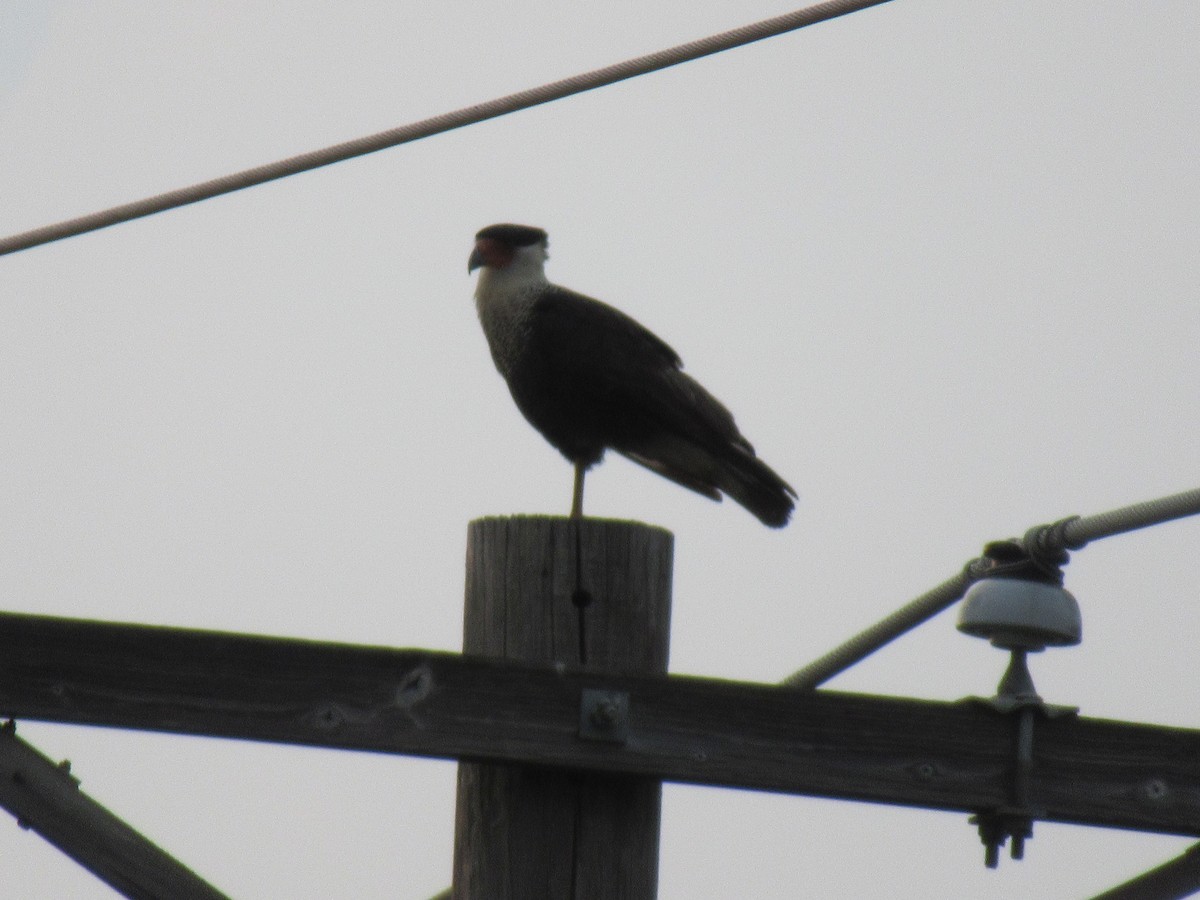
[590,378]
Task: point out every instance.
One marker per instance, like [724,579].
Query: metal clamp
[1016,819]
[996,826]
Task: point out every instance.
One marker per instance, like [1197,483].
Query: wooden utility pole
[592,595]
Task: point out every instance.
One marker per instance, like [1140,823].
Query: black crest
[513,235]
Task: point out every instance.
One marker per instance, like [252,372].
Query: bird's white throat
[504,299]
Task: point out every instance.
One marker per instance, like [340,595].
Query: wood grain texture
[932,754]
[594,595]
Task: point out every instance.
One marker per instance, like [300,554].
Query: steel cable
[1068,534]
[1079,532]
[469,115]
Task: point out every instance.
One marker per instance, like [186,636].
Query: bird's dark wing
[581,371]
[613,376]
[592,377]
[583,331]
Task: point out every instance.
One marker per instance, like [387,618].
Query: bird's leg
[577,494]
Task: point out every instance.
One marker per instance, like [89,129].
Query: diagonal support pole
[46,798]
[1173,880]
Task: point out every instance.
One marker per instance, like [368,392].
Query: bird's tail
[733,470]
[752,483]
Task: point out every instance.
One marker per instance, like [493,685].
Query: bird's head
[500,247]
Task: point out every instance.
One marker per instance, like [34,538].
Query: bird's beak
[477,259]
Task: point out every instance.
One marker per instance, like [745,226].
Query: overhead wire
[1068,534]
[469,115]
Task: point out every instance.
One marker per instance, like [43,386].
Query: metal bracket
[604,716]
[996,826]
[1015,820]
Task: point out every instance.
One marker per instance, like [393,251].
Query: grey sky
[939,258]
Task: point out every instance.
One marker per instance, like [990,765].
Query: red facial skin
[490,253]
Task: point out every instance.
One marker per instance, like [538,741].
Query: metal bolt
[1155,789]
[605,713]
